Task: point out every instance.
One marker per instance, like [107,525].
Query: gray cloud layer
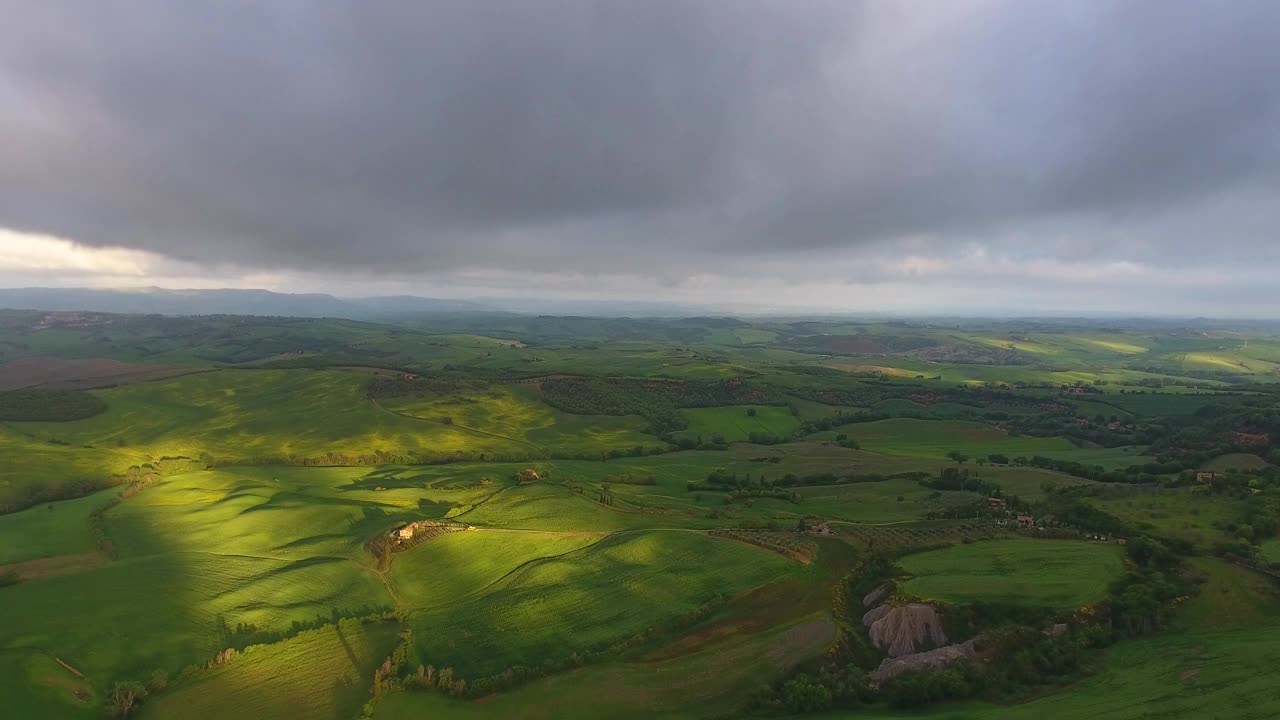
[653,137]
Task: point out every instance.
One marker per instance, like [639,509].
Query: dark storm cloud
[636,136]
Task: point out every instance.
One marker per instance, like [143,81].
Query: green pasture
[60,528]
[589,598]
[1028,483]
[203,555]
[945,410]
[34,466]
[1271,550]
[322,674]
[736,423]
[1116,458]
[710,682]
[1230,597]
[518,415]
[457,565]
[1153,404]
[245,415]
[167,611]
[1235,461]
[1061,574]
[890,501]
[1186,513]
[936,438]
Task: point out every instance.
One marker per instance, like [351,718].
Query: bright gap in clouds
[35,259]
[975,281]
[45,254]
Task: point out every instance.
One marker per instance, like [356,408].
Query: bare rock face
[874,614]
[875,597]
[904,629]
[932,660]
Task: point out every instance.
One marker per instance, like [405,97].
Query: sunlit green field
[459,565]
[518,415]
[736,422]
[585,600]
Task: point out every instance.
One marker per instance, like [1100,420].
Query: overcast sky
[931,155]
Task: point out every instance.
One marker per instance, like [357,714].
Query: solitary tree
[125,696]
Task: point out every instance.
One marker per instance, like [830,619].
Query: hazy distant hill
[226,302]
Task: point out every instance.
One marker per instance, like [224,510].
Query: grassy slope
[708,683]
[588,599]
[516,412]
[1235,461]
[735,424]
[1183,513]
[246,414]
[1271,550]
[457,565]
[935,438]
[1059,574]
[60,528]
[203,553]
[322,674]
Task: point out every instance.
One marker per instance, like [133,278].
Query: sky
[937,156]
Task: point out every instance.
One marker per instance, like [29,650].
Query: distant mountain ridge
[164,301]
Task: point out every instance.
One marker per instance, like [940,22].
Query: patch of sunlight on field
[1114,346]
[456,565]
[588,598]
[859,368]
[1029,346]
[272,413]
[1226,362]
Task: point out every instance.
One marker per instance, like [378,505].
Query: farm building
[1207,476]
[1026,521]
[997,504]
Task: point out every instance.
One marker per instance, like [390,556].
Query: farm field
[692,685]
[1235,461]
[736,423]
[1182,513]
[49,530]
[936,438]
[316,675]
[584,600]
[1059,574]
[1271,550]
[518,415]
